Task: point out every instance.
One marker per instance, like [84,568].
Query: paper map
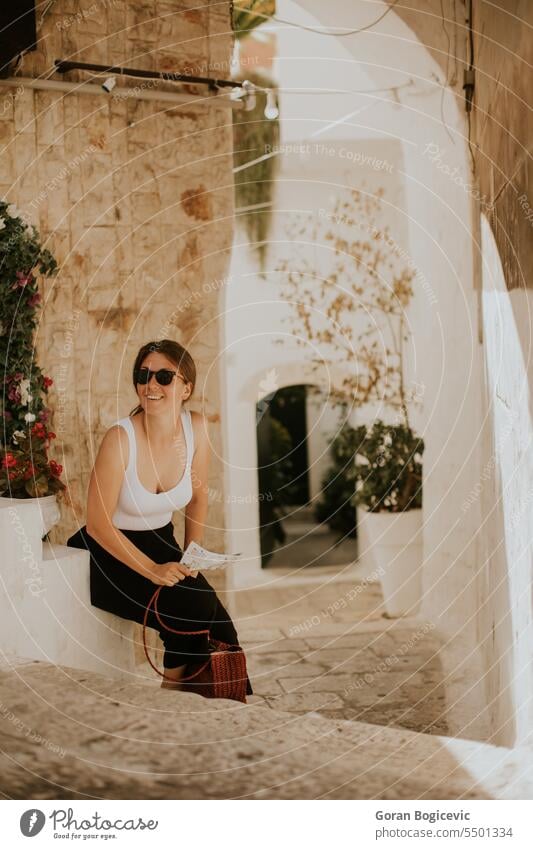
[197,557]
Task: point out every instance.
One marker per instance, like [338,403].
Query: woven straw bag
[222,676]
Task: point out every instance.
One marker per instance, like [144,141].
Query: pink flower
[34,300]
[39,430]
[9,461]
[55,468]
[22,280]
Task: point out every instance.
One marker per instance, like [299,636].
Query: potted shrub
[25,469]
[26,472]
[388,491]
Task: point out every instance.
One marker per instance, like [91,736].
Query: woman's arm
[196,510]
[104,488]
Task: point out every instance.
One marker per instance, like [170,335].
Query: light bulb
[271,108]
[109,84]
[249,97]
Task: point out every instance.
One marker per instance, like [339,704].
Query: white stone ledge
[46,611]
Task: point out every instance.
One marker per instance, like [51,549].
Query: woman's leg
[172,678]
[190,605]
[223,629]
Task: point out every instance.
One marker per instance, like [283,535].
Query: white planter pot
[394,542]
[48,510]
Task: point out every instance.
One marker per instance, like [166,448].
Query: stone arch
[241,484]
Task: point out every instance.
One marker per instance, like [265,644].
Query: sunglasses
[163,376]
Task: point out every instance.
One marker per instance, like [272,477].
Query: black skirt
[191,604]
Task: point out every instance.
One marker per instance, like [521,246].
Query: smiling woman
[151,463]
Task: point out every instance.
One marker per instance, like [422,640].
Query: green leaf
[248,14]
[253,134]
[38,487]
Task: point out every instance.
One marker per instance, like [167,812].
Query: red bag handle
[168,628]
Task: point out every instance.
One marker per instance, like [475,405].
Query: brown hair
[176,353]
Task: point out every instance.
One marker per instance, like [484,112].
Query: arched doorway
[305,510]
[283,470]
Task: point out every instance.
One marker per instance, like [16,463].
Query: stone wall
[501,131]
[135,200]
[503,55]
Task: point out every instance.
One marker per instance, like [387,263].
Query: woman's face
[155,398]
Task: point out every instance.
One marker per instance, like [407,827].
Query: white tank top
[137,508]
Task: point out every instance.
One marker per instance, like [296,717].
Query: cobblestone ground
[323,644]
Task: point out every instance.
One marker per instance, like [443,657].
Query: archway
[244,395]
[306,515]
[433,218]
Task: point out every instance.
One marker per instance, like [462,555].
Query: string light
[271,108]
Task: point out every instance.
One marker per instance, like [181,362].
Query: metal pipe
[62,66]
[125,93]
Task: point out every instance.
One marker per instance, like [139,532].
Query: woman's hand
[168,574]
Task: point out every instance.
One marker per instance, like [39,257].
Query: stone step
[99,738]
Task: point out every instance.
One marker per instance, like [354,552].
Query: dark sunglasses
[163,376]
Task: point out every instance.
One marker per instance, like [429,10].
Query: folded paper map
[197,557]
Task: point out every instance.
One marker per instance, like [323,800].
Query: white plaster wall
[505,491]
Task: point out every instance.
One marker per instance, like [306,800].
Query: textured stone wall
[503,54]
[501,125]
[135,200]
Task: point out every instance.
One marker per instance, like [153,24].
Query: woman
[149,464]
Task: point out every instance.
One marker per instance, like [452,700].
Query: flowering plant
[24,441]
[388,468]
[26,470]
